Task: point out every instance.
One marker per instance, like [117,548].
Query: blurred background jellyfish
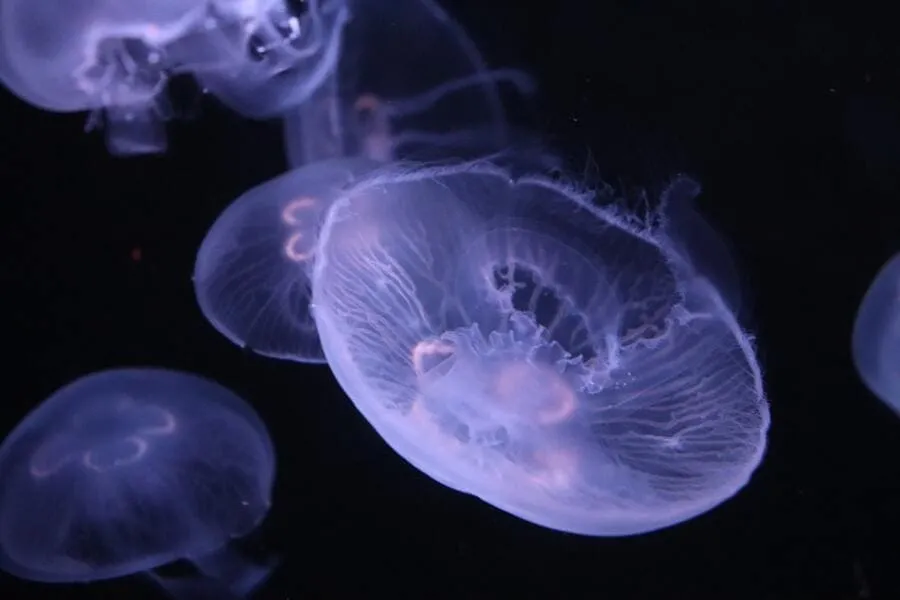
[876,335]
[114,57]
[251,275]
[409,84]
[123,471]
[564,362]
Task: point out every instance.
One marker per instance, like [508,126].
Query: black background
[790,117]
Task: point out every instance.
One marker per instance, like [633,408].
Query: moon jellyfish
[124,471]
[115,57]
[561,360]
[876,335]
[409,84]
[251,276]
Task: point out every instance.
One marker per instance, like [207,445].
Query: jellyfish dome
[251,275]
[876,335]
[115,57]
[126,470]
[408,83]
[561,360]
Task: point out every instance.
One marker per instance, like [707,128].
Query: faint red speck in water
[136,254]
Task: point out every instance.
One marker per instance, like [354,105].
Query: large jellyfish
[409,84]
[876,335]
[561,360]
[115,57]
[251,275]
[123,471]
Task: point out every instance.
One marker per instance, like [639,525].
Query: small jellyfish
[114,58]
[124,471]
[251,275]
[876,335]
[410,85]
[564,361]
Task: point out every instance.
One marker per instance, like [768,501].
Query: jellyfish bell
[876,335]
[113,450]
[123,471]
[560,360]
[114,58]
[498,391]
[251,275]
[409,84]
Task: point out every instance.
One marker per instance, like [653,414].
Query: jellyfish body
[409,84]
[126,470]
[564,362]
[876,335]
[252,271]
[114,57]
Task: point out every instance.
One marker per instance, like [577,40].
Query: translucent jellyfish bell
[876,335]
[114,57]
[252,271]
[123,471]
[409,84]
[561,361]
